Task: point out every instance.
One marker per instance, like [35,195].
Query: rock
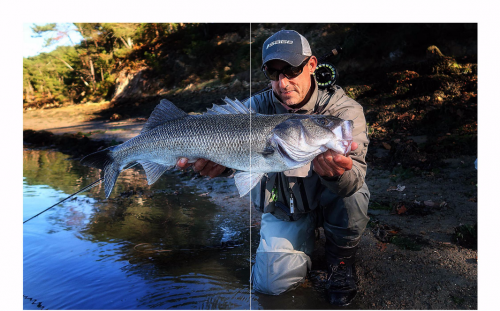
[236,84]
[129,84]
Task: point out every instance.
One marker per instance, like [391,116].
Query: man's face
[292,91]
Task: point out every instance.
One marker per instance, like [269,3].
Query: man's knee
[281,262]
[276,272]
[346,218]
[357,209]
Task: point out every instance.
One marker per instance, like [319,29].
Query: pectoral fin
[246,181]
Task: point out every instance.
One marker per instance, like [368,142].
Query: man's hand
[331,164]
[204,167]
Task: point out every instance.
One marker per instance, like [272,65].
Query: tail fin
[103,160]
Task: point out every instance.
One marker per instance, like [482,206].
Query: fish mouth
[347,136]
[347,147]
[344,139]
[347,130]
[340,146]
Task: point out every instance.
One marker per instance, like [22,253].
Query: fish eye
[322,121]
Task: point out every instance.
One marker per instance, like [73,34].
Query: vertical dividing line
[250,195]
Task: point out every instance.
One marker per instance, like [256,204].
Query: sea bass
[231,135]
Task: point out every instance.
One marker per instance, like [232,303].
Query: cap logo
[279,42]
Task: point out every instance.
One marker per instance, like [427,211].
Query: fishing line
[92,185]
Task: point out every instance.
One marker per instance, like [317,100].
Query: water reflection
[161,247]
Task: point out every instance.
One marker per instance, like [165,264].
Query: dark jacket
[308,189]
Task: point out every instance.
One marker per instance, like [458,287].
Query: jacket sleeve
[352,180]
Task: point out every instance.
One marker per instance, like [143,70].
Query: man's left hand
[331,164]
[204,167]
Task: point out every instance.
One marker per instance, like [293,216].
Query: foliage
[175,55]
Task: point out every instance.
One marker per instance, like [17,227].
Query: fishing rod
[95,183]
[92,185]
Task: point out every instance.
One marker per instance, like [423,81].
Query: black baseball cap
[286,45]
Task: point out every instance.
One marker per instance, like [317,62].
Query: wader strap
[292,182]
[303,195]
[263,192]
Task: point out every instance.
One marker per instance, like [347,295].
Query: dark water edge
[76,145]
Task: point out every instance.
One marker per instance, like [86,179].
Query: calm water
[144,251]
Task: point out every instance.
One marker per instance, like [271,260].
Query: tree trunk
[65,63]
[124,42]
[102,75]
[156,31]
[81,31]
[84,81]
[86,45]
[32,91]
[43,82]
[72,69]
[92,70]
[29,91]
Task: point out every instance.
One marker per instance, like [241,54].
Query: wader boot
[341,286]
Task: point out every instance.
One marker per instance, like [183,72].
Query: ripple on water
[81,255]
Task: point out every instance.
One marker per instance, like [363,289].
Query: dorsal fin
[165,111]
[231,107]
[236,104]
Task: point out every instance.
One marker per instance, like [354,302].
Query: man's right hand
[204,167]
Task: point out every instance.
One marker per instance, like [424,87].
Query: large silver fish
[231,135]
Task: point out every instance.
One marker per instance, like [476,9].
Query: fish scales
[229,135]
[226,139]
